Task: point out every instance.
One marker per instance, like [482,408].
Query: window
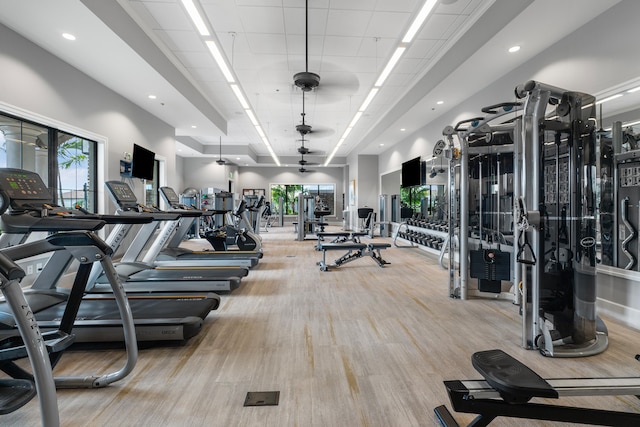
[24,145]
[151,187]
[291,192]
[67,163]
[76,172]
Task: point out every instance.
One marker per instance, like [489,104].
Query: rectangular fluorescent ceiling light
[390,65]
[355,119]
[222,64]
[195,17]
[369,98]
[635,89]
[240,96]
[609,98]
[417,23]
[252,117]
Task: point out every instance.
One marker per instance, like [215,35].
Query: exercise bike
[231,234]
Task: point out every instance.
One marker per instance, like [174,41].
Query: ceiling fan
[306,80]
[220,161]
[302,149]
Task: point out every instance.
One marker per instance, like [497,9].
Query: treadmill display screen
[121,192]
[170,195]
[23,185]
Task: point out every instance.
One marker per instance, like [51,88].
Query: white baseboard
[623,314]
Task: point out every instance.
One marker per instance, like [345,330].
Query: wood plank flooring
[357,346]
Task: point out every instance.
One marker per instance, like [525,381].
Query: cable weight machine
[557,239]
[488,183]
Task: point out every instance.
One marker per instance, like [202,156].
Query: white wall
[52,92]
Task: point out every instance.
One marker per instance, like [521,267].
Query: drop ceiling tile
[297,44]
[268,20]
[378,48]
[294,21]
[223,16]
[409,6]
[341,46]
[267,43]
[347,22]
[388,24]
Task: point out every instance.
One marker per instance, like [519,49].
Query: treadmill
[172,253]
[167,317]
[143,276]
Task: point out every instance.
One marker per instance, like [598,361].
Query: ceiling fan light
[303,129]
[306,80]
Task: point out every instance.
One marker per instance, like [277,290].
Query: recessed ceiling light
[152,97]
[635,89]
[440,102]
[194,127]
[237,158]
[402,129]
[68,36]
[381,145]
[513,49]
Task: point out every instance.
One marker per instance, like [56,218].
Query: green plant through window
[290,194]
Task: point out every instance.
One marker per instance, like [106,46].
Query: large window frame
[52,153]
[291,193]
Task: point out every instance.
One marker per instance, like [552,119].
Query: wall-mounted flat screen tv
[411,173]
[142,163]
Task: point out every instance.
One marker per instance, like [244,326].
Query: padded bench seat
[354,250]
[339,236]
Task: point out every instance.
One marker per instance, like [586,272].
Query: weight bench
[355,250]
[339,236]
[508,386]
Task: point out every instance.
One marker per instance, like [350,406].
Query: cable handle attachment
[525,254]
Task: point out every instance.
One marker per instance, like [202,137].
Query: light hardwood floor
[357,346]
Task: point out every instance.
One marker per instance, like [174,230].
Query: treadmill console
[121,194]
[25,189]
[170,196]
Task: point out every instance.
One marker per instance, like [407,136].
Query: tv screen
[411,173]
[142,163]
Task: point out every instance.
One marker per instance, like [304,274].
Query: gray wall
[52,92]
[367,191]
[592,59]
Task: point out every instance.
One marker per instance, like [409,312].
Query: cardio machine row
[169,311]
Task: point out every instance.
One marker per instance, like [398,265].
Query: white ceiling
[142,47]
